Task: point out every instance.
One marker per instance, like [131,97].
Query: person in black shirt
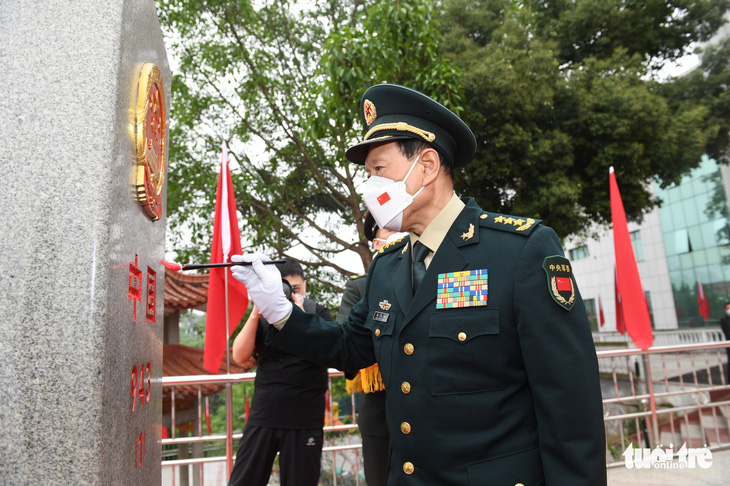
[287,411]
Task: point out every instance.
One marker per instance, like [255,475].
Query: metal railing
[198,463]
[668,394]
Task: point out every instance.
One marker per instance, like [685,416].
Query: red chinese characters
[141,378]
[135,290]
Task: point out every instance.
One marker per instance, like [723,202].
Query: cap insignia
[468,234]
[369,111]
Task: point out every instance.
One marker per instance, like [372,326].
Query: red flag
[633,300]
[601,317]
[702,301]
[620,325]
[226,242]
[247,409]
[207,414]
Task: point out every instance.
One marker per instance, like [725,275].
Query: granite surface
[70,230]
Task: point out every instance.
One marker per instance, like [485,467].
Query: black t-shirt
[289,390]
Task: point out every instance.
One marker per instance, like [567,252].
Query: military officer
[474,319]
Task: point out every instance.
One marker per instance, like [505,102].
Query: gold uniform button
[519,484]
[483,216]
[462,336]
[405,427]
[377,332]
[408,349]
[405,387]
[408,467]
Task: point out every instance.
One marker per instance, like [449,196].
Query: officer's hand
[263,283]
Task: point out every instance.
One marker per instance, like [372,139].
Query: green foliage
[708,88]
[192,329]
[561,91]
[662,29]
[557,93]
[283,81]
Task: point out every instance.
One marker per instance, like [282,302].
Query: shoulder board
[511,224]
[392,245]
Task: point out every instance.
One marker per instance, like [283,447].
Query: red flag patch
[560,280]
[383,198]
[563,284]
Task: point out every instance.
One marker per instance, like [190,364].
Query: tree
[285,82]
[560,91]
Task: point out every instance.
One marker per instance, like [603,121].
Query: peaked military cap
[392,112]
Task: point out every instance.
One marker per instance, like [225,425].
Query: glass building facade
[696,230]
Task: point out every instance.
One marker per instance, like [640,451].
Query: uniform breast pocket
[381,325]
[465,351]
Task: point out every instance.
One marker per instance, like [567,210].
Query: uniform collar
[437,229]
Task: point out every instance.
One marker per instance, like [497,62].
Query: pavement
[718,474]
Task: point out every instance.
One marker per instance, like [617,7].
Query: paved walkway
[716,475]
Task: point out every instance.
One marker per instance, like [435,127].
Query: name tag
[381,316]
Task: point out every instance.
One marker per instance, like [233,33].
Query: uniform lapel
[447,259]
[402,278]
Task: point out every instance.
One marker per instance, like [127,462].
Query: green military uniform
[354,290]
[490,369]
[502,393]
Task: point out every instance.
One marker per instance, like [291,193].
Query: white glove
[263,283]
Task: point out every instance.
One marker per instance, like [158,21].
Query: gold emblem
[388,245]
[561,300]
[483,216]
[405,248]
[368,109]
[148,175]
[498,219]
[468,234]
[385,305]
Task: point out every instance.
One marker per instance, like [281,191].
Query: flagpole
[229,400]
[226,247]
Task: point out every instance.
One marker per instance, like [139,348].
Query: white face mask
[727,312]
[386,199]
